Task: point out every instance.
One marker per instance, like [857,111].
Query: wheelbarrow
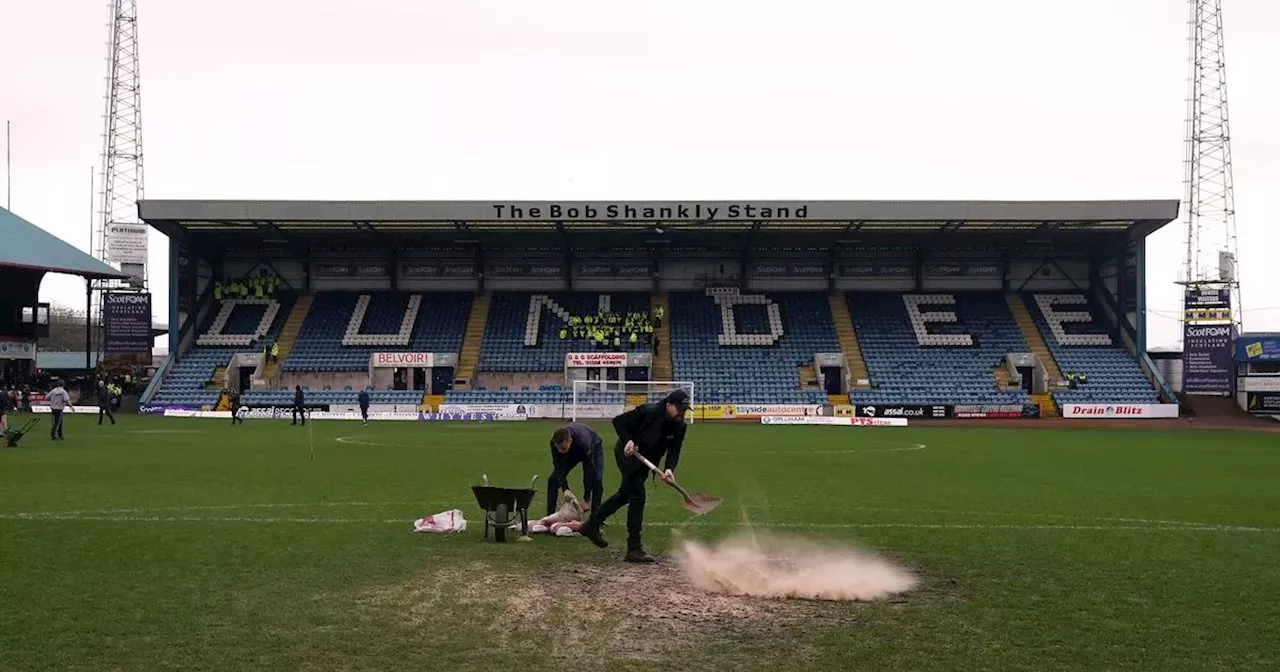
[504,506]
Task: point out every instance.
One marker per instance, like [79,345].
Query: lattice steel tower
[120,237]
[1210,199]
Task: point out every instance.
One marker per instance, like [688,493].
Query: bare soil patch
[580,613]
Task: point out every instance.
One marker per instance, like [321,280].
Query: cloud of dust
[782,567]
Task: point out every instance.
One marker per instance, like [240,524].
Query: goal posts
[607,398]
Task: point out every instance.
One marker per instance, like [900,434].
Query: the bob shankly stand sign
[649,212]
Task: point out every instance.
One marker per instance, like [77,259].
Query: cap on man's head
[679,399]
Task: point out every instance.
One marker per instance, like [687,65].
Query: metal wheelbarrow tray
[503,506]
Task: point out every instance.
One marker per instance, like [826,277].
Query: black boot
[638,554]
[591,530]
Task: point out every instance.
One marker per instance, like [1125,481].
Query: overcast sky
[672,99]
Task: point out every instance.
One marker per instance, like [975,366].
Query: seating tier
[935,348]
[745,348]
[1080,343]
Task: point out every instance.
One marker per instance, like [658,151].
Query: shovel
[698,503]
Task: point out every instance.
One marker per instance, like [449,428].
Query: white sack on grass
[446,522]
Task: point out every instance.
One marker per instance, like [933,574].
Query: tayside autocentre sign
[1120,411]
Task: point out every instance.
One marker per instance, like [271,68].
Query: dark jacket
[297,398]
[582,451]
[653,433]
[104,397]
[363,397]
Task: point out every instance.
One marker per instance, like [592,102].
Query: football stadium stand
[909,303]
[343,329]
[239,325]
[719,334]
[1082,345]
[523,332]
[523,335]
[934,348]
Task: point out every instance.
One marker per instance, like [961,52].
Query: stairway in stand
[661,369]
[288,335]
[1048,408]
[471,341]
[1035,341]
[218,380]
[838,399]
[848,338]
[1003,380]
[431,402]
[636,399]
[1031,333]
[808,378]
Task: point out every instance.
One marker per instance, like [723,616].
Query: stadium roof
[27,246]
[607,222]
[64,361]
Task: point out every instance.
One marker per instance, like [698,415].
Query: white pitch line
[226,507]
[80,514]
[902,447]
[832,526]
[357,441]
[991,526]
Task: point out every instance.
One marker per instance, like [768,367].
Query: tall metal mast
[121,239]
[1212,253]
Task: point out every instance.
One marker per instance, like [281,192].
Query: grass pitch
[190,544]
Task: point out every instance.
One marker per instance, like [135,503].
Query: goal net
[607,398]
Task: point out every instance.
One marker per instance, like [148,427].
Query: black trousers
[235,416]
[630,494]
[298,410]
[55,427]
[106,410]
[364,413]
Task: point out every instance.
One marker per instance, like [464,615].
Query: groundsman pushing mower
[12,436]
[503,506]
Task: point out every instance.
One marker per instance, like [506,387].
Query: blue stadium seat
[764,372]
[557,397]
[504,349]
[905,372]
[319,348]
[1112,374]
[185,383]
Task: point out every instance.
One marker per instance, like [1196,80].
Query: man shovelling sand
[655,431]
